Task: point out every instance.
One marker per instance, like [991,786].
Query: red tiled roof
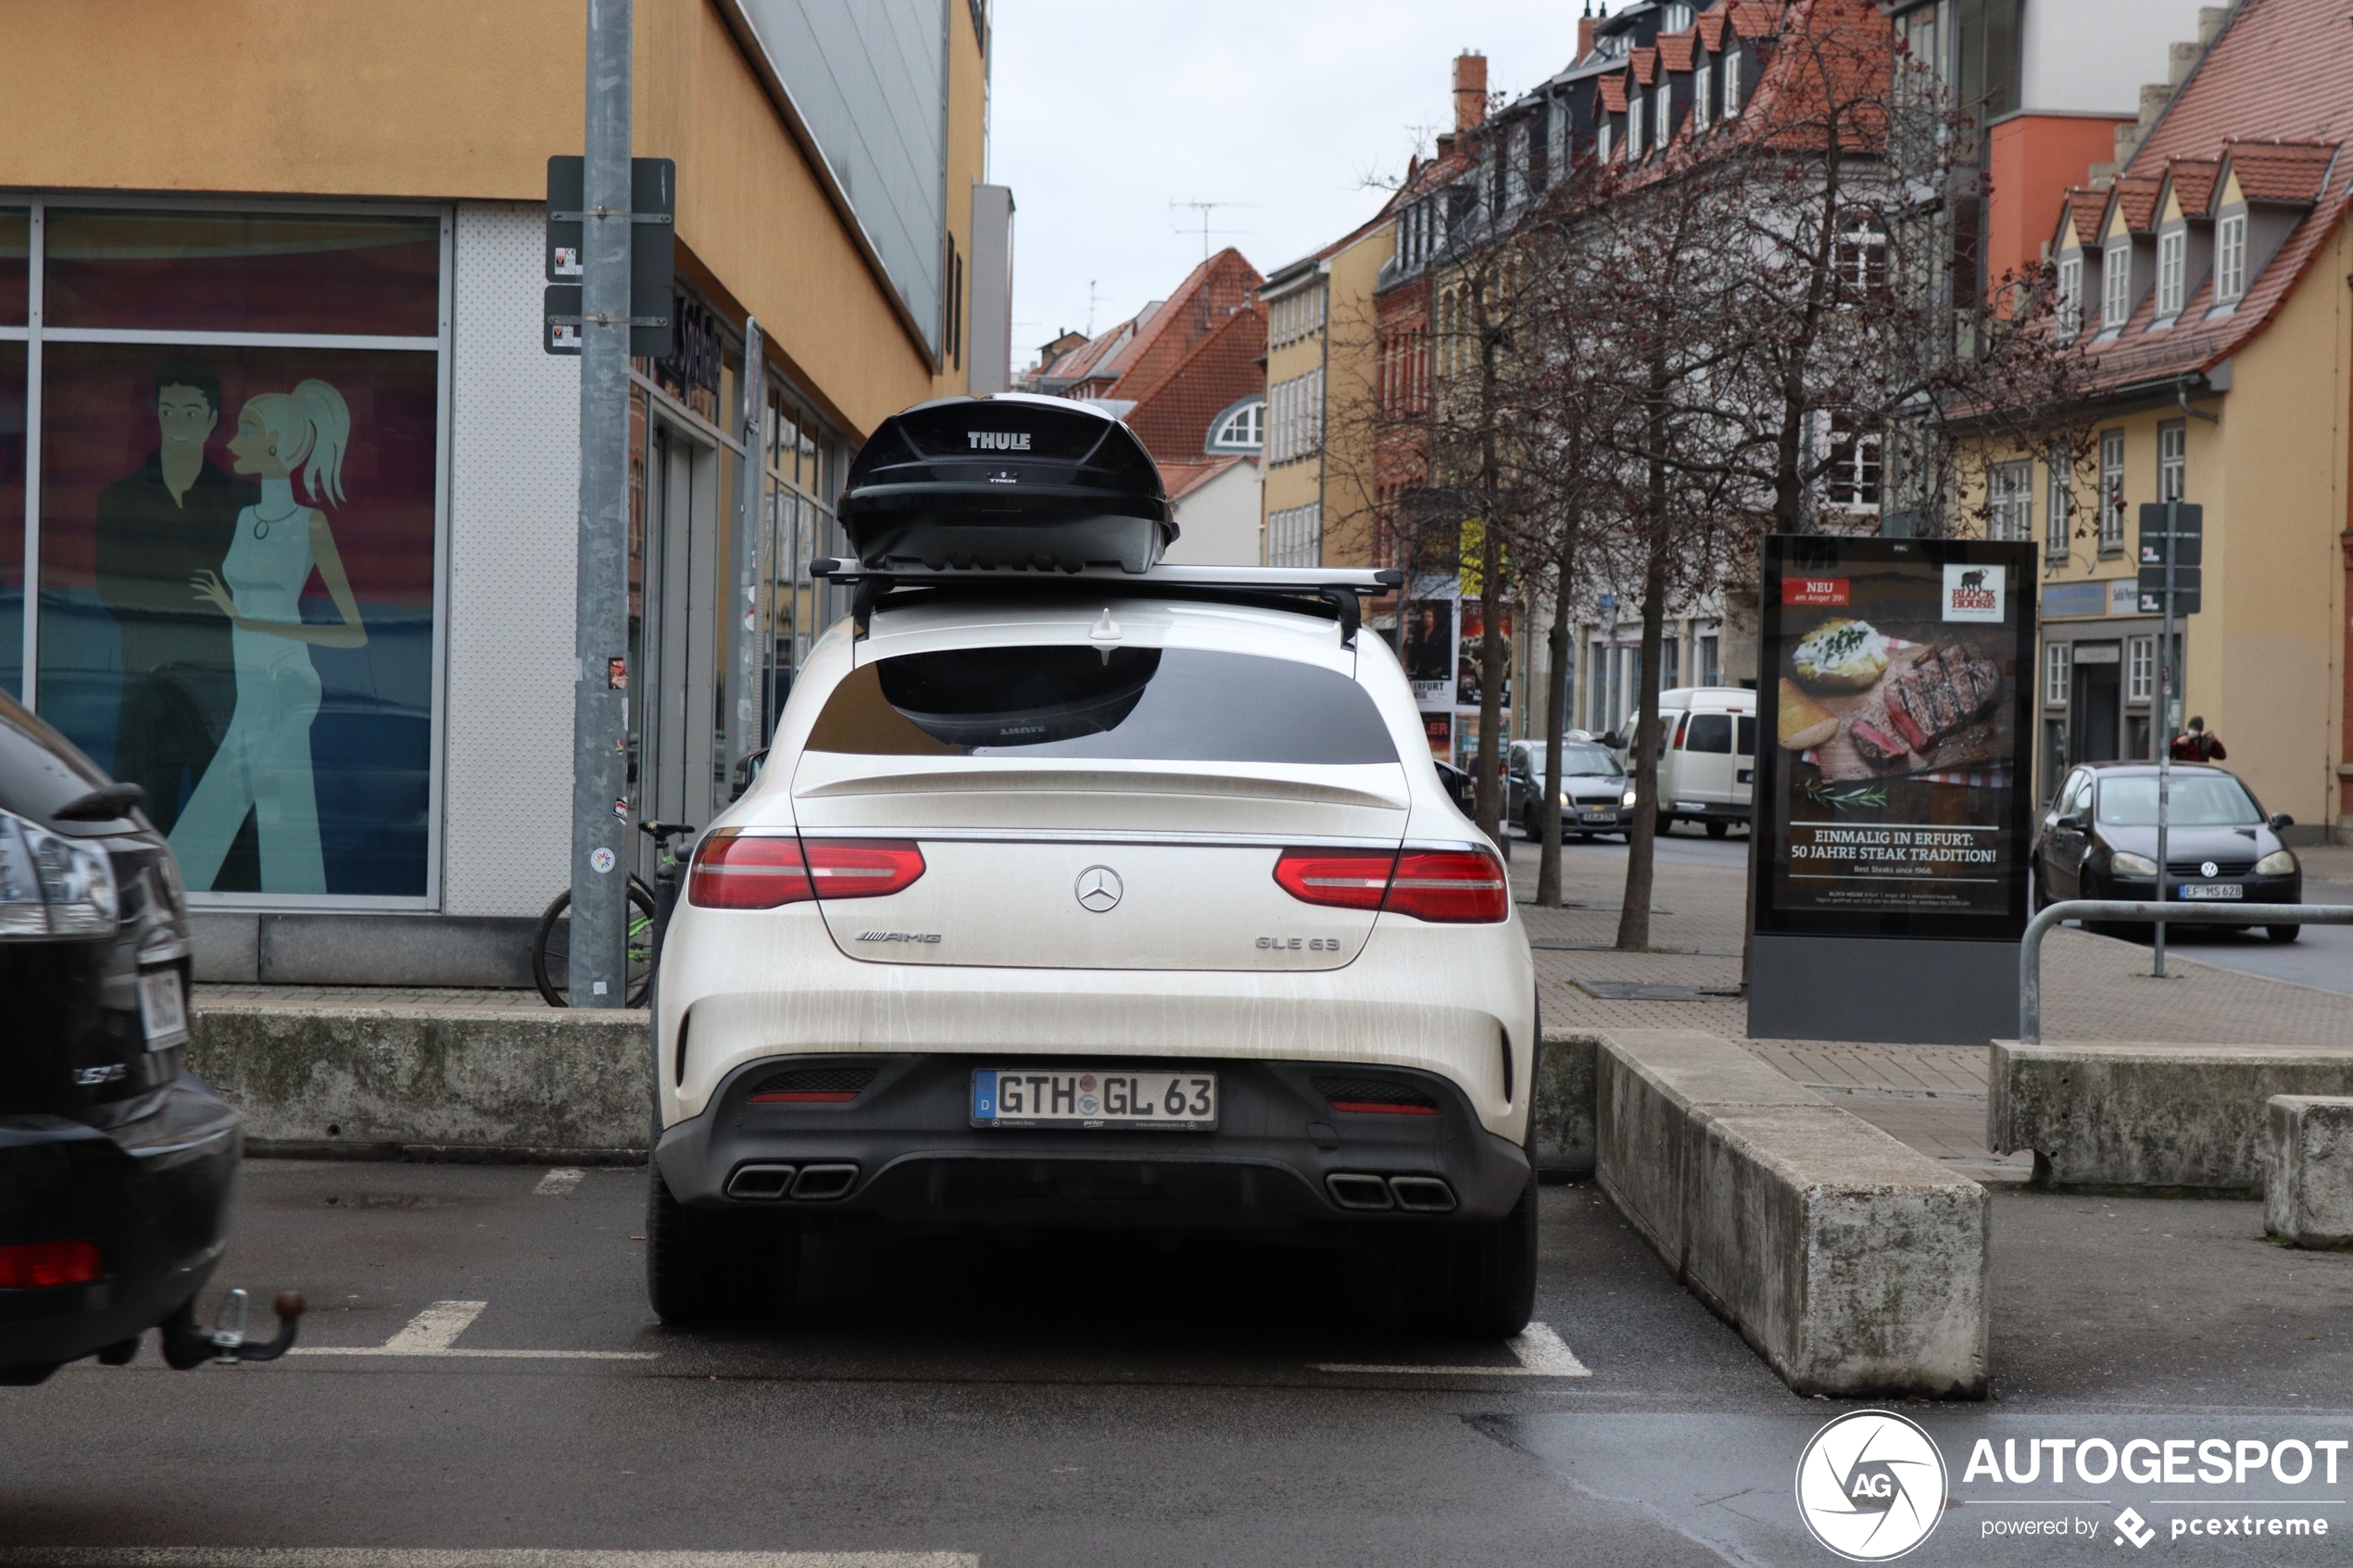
[2088,208]
[2135,196]
[1645,63]
[2193,182]
[1675,48]
[1757,19]
[1832,67]
[1613,91]
[1182,479]
[1172,416]
[2279,172]
[1710,29]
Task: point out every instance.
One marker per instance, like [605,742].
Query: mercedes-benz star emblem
[2208,869]
[1098,889]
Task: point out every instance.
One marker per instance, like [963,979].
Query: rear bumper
[918,1158]
[152,1194]
[1706,811]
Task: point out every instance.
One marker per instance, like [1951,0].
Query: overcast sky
[1105,111]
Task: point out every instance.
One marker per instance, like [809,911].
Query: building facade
[289,488]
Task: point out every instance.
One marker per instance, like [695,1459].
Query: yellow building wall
[450,100]
[1299,482]
[1349,437]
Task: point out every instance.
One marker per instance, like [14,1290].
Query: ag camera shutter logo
[1870,1486]
[1974,592]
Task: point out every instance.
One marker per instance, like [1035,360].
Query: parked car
[116,1165]
[1596,797]
[2097,839]
[1707,756]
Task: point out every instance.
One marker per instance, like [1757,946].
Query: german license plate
[1094,1096]
[1594,816]
[163,1008]
[2211,890]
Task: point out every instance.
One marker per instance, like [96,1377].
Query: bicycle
[649,909]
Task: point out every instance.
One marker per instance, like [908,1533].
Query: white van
[1707,763]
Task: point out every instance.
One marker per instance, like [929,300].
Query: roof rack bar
[1265,578]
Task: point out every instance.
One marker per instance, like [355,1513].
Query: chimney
[1470,90]
[1585,34]
[1445,145]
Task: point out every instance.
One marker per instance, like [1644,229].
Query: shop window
[16,239]
[242,272]
[237,538]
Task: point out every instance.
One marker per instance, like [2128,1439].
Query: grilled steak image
[1944,688]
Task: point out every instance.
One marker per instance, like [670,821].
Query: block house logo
[997,440]
[1870,1486]
[1973,593]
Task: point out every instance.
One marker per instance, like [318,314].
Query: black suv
[116,1165]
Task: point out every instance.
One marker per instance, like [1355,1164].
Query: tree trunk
[1634,914]
[1548,808]
[1488,794]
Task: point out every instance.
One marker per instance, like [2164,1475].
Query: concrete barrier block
[2308,1170]
[485,1082]
[1853,1265]
[2127,1113]
[1564,1105]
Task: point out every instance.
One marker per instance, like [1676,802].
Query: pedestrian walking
[2195,744]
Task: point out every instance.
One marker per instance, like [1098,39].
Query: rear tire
[2283,932]
[706,1268]
[1475,1281]
[1719,829]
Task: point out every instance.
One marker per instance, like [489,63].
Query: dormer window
[1675,18]
[1733,62]
[1634,102]
[1601,139]
[1665,117]
[2069,307]
[1701,86]
[2172,265]
[2116,284]
[2230,258]
[1241,428]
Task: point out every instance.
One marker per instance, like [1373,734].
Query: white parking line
[396,1557]
[558,1182]
[435,1331]
[1541,1353]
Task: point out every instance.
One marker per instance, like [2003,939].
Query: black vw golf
[116,1166]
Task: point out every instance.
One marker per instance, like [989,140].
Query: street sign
[653,206]
[2172,517]
[2172,551]
[2186,601]
[2188,549]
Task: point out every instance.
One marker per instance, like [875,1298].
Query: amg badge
[899,937]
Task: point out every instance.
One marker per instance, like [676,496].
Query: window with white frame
[1663,115]
[2173,261]
[1703,84]
[2172,461]
[2230,258]
[1853,478]
[1515,165]
[2069,304]
[1242,429]
[1675,17]
[1634,103]
[2140,669]
[1601,138]
[2058,659]
[1734,57]
[1295,535]
[2116,284]
[2058,508]
[2009,499]
[1295,410]
[2111,490]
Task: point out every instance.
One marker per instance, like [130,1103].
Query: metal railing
[2029,950]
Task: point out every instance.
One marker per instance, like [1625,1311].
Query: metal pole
[600,636]
[748,716]
[2165,752]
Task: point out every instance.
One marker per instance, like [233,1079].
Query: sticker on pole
[1870,1486]
[601,859]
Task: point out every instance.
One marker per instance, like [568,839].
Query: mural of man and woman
[203,572]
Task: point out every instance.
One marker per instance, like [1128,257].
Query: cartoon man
[158,527]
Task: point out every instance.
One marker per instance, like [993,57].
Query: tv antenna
[1204,209]
[1091,297]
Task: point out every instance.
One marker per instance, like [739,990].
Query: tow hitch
[188,1344]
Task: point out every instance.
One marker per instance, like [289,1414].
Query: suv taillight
[754,872]
[1453,887]
[39,1265]
[1344,878]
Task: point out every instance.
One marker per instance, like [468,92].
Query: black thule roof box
[1009,483]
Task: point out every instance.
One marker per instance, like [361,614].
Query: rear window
[1166,705]
[1709,731]
[2196,800]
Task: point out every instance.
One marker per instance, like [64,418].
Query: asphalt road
[1093,1401]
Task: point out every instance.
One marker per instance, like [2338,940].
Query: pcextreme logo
[1870,1486]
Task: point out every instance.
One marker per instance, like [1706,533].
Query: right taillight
[40,1265]
[1452,886]
[862,868]
[1345,879]
[735,871]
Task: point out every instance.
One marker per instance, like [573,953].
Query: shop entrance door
[676,684]
[2098,714]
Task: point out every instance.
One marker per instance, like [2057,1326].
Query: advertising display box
[1893,815]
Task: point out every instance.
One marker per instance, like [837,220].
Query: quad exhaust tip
[1359,1192]
[803,1184]
[1370,1194]
[1422,1194]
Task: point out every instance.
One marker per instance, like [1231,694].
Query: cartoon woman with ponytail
[263,765]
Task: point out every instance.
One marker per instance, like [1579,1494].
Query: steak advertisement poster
[1890,793]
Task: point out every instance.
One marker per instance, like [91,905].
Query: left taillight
[1454,886]
[862,868]
[735,871]
[1342,878]
[39,1265]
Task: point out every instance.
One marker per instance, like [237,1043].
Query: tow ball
[187,1343]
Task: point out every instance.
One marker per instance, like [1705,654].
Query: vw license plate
[2212,890]
[163,1009]
[1094,1096]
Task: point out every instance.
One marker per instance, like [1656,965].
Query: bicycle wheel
[552,947]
